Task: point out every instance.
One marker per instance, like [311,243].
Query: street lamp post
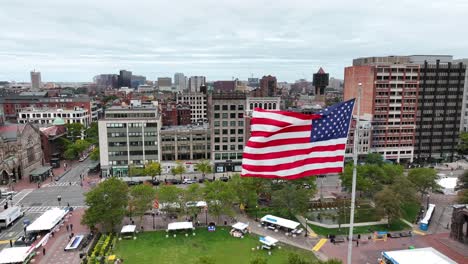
[306,229]
[427,201]
[59,199]
[256,213]
[154,227]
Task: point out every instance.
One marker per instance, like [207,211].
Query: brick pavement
[55,253]
[370,252]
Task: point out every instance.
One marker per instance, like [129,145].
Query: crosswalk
[60,184]
[42,209]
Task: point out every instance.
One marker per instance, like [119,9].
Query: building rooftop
[186,128]
[10,131]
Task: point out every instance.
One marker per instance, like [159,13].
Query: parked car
[130,183]
[25,241]
[201,180]
[188,181]
[173,181]
[6,193]
[224,179]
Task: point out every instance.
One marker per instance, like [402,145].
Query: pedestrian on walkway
[68,204]
[71,227]
[357,242]
[67,228]
[43,251]
[11,243]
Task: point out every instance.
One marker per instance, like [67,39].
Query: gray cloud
[75,40]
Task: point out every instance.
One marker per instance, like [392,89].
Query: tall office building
[268,87]
[440,93]
[125,79]
[389,98]
[180,81]
[195,82]
[228,134]
[320,82]
[129,136]
[137,80]
[198,106]
[35,80]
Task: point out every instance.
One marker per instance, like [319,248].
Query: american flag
[292,145]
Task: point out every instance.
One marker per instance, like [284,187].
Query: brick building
[174,114]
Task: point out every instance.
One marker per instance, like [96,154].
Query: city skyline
[75,41]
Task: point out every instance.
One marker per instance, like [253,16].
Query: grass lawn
[397,226]
[154,247]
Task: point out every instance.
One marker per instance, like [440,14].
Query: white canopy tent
[128,229]
[280,221]
[268,240]
[420,255]
[15,255]
[179,226]
[47,220]
[240,226]
[448,185]
[196,204]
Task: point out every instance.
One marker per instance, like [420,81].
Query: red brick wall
[366,76]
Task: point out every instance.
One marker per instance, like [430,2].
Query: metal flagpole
[353,189]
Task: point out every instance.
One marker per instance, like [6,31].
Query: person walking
[43,251]
[68,228]
[71,227]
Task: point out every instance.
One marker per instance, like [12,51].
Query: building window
[225,107]
[241,107]
[233,123]
[216,107]
[225,123]
[240,123]
[225,115]
[232,115]
[233,107]
[216,115]
[225,147]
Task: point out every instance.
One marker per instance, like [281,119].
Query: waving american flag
[292,145]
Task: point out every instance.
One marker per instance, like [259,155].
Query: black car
[224,179]
[130,183]
[173,181]
[205,180]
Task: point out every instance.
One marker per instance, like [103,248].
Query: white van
[9,216]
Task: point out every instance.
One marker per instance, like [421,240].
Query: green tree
[405,189]
[73,150]
[374,158]
[294,258]
[107,204]
[169,197]
[153,169]
[220,197]
[204,167]
[389,203]
[178,169]
[141,199]
[424,180]
[463,145]
[462,196]
[192,194]
[245,190]
[81,145]
[258,260]
[95,154]
[135,171]
[291,199]
[74,130]
[92,133]
[108,98]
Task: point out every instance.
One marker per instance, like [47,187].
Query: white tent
[196,204]
[47,220]
[240,226]
[128,229]
[420,255]
[180,226]
[15,255]
[448,185]
[269,241]
[280,221]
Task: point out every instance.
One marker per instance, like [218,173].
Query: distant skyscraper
[125,78]
[320,82]
[35,80]
[164,81]
[180,81]
[268,87]
[137,80]
[195,82]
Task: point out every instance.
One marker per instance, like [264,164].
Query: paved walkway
[54,247]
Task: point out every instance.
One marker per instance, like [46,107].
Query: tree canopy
[463,145]
[220,197]
[153,169]
[424,179]
[179,169]
[204,167]
[107,204]
[141,199]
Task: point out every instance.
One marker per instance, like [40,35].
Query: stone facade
[20,151]
[459,222]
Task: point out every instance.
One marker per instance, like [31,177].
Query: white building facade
[46,116]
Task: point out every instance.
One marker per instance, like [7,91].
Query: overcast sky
[70,40]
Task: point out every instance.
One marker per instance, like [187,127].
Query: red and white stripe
[280,147]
